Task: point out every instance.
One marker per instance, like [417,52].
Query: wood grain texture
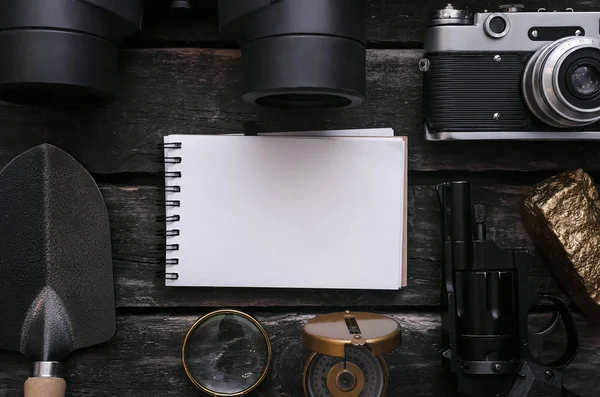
[182,76]
[398,23]
[144,359]
[196,91]
[137,254]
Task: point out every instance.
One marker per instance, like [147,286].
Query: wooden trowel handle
[45,387]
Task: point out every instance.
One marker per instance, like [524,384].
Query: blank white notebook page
[287,212]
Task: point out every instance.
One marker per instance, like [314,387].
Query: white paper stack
[284,211]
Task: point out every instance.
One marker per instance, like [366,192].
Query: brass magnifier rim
[217,313]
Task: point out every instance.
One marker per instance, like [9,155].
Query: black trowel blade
[56,282]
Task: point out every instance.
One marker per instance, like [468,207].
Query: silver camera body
[512,75]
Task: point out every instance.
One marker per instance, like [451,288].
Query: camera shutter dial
[451,16]
[496,25]
[511,7]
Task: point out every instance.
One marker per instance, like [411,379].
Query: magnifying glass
[226,353]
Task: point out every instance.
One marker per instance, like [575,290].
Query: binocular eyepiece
[299,53]
[60,52]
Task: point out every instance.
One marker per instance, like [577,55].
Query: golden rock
[562,216]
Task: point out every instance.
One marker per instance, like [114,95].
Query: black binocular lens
[60,52]
[299,53]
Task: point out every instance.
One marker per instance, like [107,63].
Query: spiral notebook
[286,211]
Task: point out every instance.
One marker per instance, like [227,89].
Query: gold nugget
[562,216]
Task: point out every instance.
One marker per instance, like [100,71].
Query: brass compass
[346,359]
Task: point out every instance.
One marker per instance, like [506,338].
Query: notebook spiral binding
[171,219]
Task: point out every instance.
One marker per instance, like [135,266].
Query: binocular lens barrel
[299,53]
[60,52]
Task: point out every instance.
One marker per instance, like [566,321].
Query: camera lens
[63,52]
[299,54]
[561,82]
[585,80]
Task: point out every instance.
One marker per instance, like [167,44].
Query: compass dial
[363,376]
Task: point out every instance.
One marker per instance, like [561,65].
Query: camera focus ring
[561,82]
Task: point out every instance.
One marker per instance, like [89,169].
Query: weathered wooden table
[181,76]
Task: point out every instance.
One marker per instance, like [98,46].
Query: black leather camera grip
[562,309]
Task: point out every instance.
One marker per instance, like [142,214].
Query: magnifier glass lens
[226,354]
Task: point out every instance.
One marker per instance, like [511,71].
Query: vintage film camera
[512,75]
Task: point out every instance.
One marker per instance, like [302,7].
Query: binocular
[295,53]
[63,51]
[299,53]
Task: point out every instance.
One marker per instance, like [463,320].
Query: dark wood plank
[137,255]
[196,91]
[144,360]
[398,23]
[133,211]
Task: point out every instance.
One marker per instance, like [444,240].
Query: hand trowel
[56,289]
